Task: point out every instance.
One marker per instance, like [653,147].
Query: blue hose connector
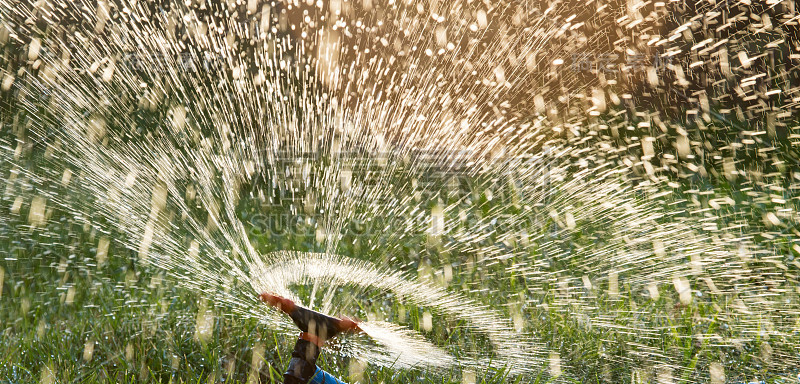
[322,377]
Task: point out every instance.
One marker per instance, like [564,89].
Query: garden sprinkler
[316,329]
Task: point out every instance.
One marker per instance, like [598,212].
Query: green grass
[57,305]
[141,327]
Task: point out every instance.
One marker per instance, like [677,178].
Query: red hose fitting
[312,338]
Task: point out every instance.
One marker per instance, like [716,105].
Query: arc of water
[518,353]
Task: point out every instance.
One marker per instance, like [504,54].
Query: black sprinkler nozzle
[309,321]
[316,328]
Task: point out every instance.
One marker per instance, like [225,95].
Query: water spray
[581,190]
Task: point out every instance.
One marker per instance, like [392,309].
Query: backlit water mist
[571,189]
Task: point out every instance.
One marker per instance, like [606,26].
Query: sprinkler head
[320,326]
